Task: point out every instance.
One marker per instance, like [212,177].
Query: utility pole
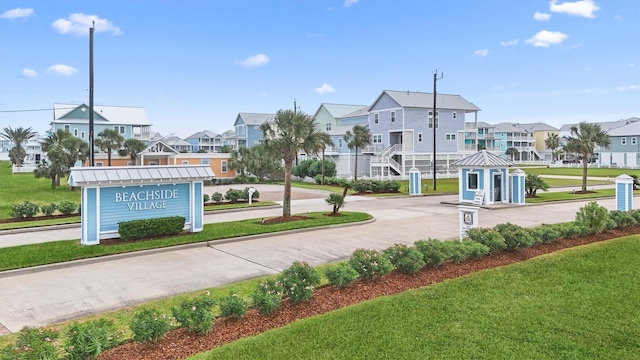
[91,154]
[435,123]
[295,106]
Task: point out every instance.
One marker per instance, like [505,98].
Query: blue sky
[193,65]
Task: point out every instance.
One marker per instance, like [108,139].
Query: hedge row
[138,229]
[28,210]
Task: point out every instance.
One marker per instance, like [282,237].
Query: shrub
[474,249]
[571,230]
[299,281]
[593,216]
[233,195]
[434,252]
[233,306]
[267,296]
[545,234]
[336,200]
[147,325]
[391,186]
[315,169]
[67,207]
[370,264]
[138,229]
[205,198]
[376,186]
[340,275]
[622,218]
[407,260]
[32,343]
[361,186]
[302,169]
[26,210]
[515,236]
[636,214]
[458,251]
[195,314]
[489,237]
[217,197]
[256,194]
[90,339]
[48,209]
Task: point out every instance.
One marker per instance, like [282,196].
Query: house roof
[202,134]
[358,113]
[81,176]
[606,125]
[254,118]
[518,127]
[630,129]
[483,159]
[423,100]
[339,110]
[123,115]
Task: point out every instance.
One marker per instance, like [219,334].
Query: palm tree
[63,151]
[552,142]
[287,134]
[357,138]
[326,140]
[109,140]
[18,137]
[584,139]
[511,152]
[239,160]
[133,147]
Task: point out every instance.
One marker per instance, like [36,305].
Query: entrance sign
[468,219]
[111,195]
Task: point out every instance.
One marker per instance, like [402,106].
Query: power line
[31,110]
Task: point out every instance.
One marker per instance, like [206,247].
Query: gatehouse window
[472,181]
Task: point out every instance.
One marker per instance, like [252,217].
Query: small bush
[138,229]
[474,249]
[195,314]
[458,250]
[267,296]
[515,236]
[434,252]
[336,201]
[593,216]
[205,198]
[148,325]
[48,209]
[391,186]
[32,343]
[622,218]
[361,186]
[299,281]
[370,264]
[234,195]
[340,275]
[545,234]
[67,207]
[636,214]
[233,306]
[377,186]
[26,210]
[217,197]
[256,194]
[407,260]
[571,230]
[489,237]
[88,340]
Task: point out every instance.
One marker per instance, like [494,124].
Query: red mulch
[179,344]
[41,217]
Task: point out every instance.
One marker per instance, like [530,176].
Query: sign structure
[111,195]
[468,219]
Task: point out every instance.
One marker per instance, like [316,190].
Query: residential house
[527,139]
[247,129]
[403,124]
[624,150]
[205,141]
[477,135]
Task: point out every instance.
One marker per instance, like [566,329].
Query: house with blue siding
[625,147]
[528,139]
[247,129]
[478,135]
[405,130]
[205,142]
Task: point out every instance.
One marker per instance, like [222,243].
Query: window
[67,127]
[623,141]
[223,166]
[340,143]
[328,127]
[82,135]
[119,129]
[393,116]
[634,141]
[454,115]
[472,181]
[375,118]
[185,162]
[450,137]
[377,139]
[75,132]
[99,163]
[419,137]
[431,119]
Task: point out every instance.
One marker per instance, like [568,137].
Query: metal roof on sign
[483,159]
[117,175]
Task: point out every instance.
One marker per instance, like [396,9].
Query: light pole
[435,123]
[91,155]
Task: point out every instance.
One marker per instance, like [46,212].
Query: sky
[195,64]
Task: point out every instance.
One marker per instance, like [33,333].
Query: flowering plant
[267,296]
[233,306]
[370,264]
[148,325]
[299,281]
[195,314]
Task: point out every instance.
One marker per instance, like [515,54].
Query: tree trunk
[109,157]
[286,200]
[584,172]
[322,182]
[355,171]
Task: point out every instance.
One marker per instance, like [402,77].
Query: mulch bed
[41,217]
[180,344]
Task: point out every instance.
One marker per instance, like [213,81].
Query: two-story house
[403,124]
[512,135]
[205,141]
[624,150]
[478,135]
[247,129]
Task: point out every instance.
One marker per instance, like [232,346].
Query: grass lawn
[577,171]
[580,303]
[568,195]
[18,257]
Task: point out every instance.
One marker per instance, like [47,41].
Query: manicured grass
[61,251]
[579,304]
[37,223]
[577,171]
[569,195]
[242,205]
[558,182]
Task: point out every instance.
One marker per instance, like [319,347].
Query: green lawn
[569,195]
[576,304]
[612,173]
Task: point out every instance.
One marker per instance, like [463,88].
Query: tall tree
[585,138]
[109,140]
[18,136]
[225,149]
[326,140]
[357,138]
[511,152]
[262,163]
[287,134]
[133,147]
[63,151]
[552,142]
[238,160]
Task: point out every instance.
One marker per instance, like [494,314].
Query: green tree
[16,155]
[225,149]
[18,136]
[357,138]
[63,151]
[336,201]
[533,183]
[552,142]
[584,140]
[109,140]
[238,160]
[263,164]
[133,147]
[326,140]
[289,133]
[511,152]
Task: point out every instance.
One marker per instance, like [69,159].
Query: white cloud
[348,3]
[628,87]
[325,88]
[29,73]
[79,24]
[545,38]
[481,52]
[632,65]
[255,60]
[60,69]
[541,16]
[16,13]
[583,8]
[510,42]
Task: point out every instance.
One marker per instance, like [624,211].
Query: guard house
[483,179]
[122,193]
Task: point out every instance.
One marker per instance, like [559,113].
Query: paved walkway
[84,288]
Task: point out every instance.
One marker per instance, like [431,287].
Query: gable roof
[630,129]
[606,125]
[81,176]
[483,159]
[358,113]
[338,110]
[421,100]
[253,118]
[517,127]
[159,146]
[204,133]
[121,115]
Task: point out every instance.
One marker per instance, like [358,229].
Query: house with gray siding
[205,141]
[625,147]
[247,129]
